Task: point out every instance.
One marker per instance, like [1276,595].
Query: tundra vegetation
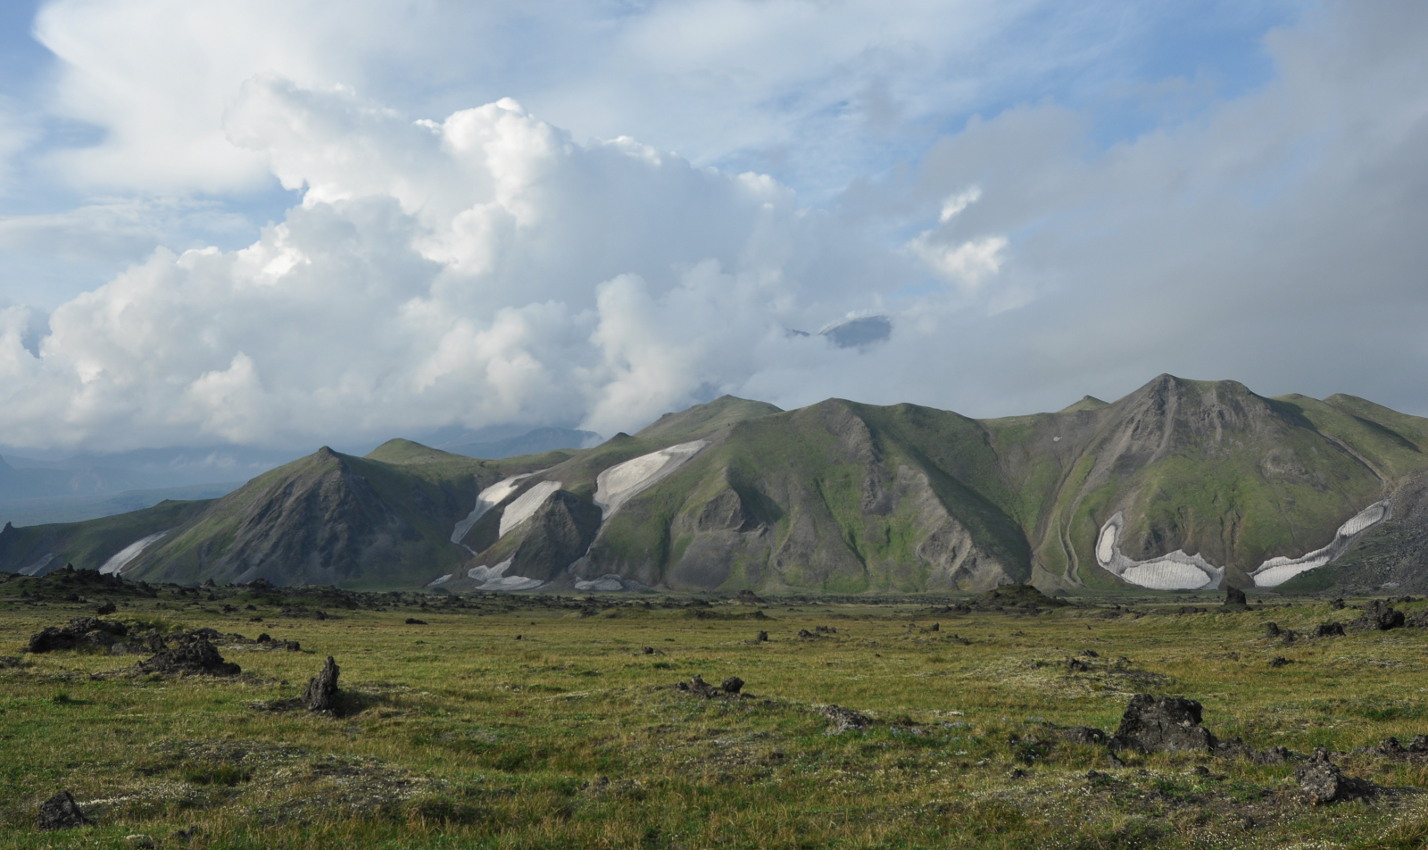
[643,720]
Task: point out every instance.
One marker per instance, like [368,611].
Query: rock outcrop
[1167,724]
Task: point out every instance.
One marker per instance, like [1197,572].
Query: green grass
[543,722]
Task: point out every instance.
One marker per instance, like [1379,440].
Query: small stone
[845,719]
[732,685]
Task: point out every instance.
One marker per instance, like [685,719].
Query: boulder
[194,656]
[1321,782]
[321,693]
[60,812]
[1380,616]
[1168,724]
[80,631]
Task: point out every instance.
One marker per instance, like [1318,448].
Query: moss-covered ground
[555,722]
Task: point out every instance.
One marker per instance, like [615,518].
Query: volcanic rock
[1321,782]
[1380,616]
[321,693]
[845,719]
[194,656]
[1169,724]
[60,812]
[79,631]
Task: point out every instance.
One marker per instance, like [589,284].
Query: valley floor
[560,722]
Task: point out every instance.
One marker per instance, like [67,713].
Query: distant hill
[1179,485]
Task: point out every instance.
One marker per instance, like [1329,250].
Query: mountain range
[1180,485]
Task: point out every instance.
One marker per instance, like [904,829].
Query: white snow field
[495,578]
[623,481]
[1175,571]
[1179,571]
[491,578]
[525,505]
[1277,571]
[121,559]
[485,501]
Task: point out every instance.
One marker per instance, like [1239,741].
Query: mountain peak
[703,418]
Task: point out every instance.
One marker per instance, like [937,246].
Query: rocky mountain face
[1181,484]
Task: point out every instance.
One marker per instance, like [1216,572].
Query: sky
[262,223]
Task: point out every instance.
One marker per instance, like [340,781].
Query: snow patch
[526,505]
[121,559]
[495,578]
[606,583]
[623,481]
[1179,571]
[1175,571]
[485,501]
[1277,571]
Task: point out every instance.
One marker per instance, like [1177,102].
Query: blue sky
[261,223]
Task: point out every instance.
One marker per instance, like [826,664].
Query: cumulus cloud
[491,266]
[482,269]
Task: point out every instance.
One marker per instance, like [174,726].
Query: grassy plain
[555,722]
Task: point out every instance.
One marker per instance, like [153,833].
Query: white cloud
[482,269]
[495,267]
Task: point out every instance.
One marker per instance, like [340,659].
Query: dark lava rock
[1235,598]
[729,689]
[1321,782]
[9,662]
[1380,616]
[1271,629]
[413,621]
[748,597]
[1160,725]
[845,719]
[194,656]
[321,693]
[1329,630]
[762,637]
[107,608]
[1394,747]
[80,631]
[1279,661]
[60,812]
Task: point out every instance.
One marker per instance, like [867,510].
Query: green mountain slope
[839,496]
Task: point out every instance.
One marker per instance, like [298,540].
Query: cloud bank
[498,265]
[479,270]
